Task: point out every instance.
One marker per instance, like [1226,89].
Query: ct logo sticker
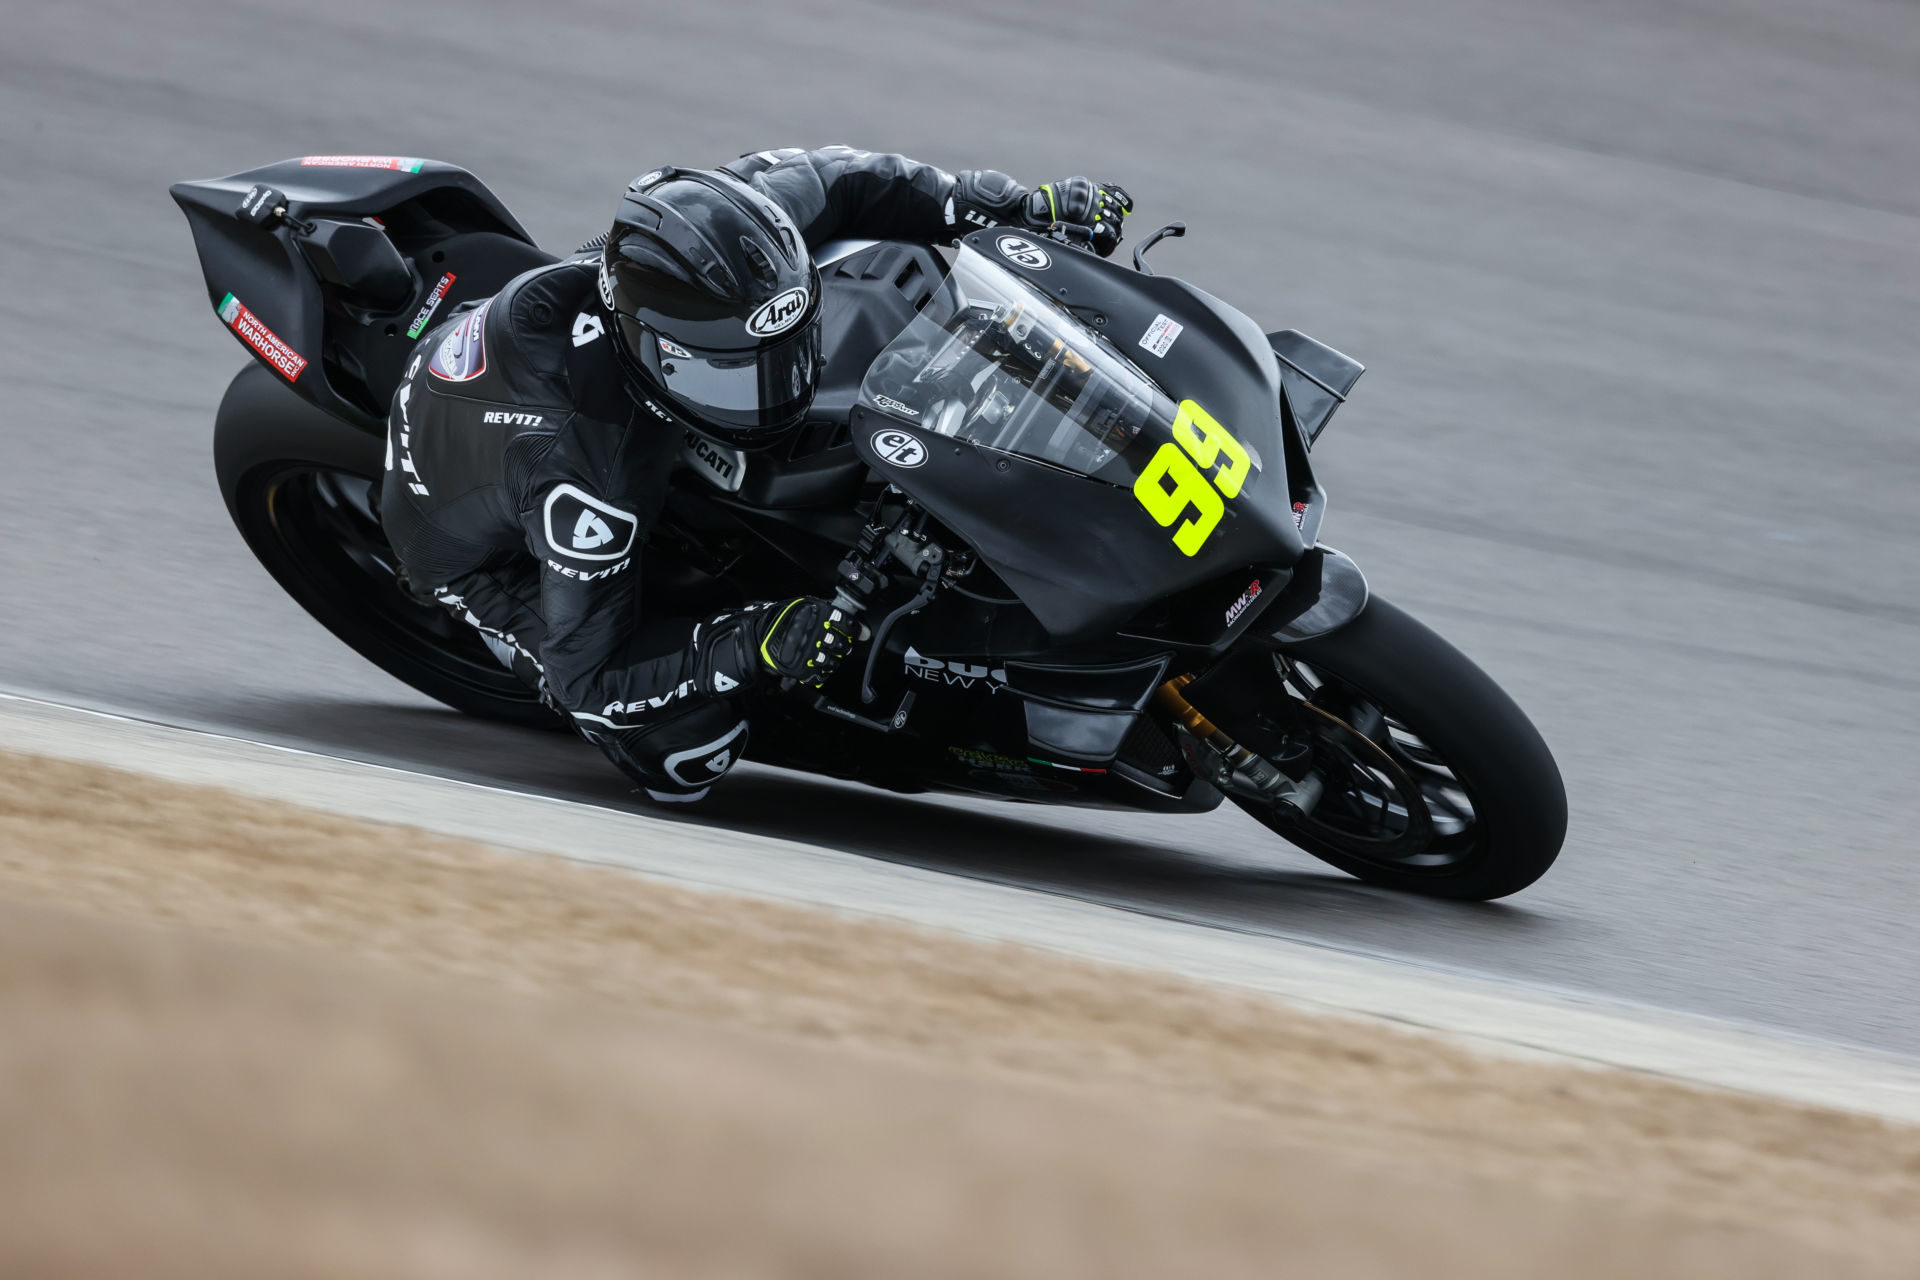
[1026,253]
[581,527]
[899,449]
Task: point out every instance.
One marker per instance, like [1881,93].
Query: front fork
[1215,756]
[1324,592]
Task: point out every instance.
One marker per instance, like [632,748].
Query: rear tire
[1450,731]
[302,488]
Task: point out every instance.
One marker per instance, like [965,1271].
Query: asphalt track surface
[1638,284]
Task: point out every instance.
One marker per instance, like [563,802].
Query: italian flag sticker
[405,164]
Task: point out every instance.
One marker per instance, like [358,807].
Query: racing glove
[806,640]
[1080,209]
[1074,209]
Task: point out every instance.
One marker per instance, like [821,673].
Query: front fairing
[1103,439]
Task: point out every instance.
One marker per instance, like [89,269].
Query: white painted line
[1505,1018]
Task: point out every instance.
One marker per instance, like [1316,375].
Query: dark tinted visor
[765,388]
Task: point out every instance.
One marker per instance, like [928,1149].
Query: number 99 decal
[1198,441]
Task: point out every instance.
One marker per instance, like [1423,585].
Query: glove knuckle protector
[1079,208]
[805,640]
[1075,209]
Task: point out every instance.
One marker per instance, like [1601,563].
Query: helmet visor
[768,387]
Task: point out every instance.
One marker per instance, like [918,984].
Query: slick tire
[1495,753]
[298,483]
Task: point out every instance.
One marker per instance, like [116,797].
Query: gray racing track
[1637,281]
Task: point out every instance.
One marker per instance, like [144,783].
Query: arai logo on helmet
[606,287]
[779,315]
[1025,252]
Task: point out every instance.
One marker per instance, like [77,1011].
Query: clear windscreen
[992,360]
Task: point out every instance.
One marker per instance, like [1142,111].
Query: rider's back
[499,404]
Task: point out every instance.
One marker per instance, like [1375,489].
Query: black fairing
[1082,553]
[1315,377]
[341,292]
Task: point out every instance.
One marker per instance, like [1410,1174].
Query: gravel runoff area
[238,1037]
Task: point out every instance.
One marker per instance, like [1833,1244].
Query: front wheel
[1429,778]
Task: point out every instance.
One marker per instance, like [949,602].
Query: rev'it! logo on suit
[580,526]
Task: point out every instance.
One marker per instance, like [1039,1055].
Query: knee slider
[677,757]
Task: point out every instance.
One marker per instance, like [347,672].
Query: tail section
[329,268]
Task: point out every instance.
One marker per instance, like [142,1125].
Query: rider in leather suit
[532,438]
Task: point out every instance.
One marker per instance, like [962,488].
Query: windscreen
[993,360]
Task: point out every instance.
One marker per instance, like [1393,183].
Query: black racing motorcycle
[1072,504]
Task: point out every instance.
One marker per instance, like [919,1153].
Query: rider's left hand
[1082,209]
[806,640]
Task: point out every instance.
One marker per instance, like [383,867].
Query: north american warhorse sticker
[581,527]
[254,332]
[462,354]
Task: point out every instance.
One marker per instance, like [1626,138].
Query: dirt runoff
[239,1038]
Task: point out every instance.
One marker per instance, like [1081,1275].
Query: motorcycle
[1071,503]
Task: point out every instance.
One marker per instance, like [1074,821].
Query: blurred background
[1637,282]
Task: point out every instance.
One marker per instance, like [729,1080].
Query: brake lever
[929,583]
[1174,229]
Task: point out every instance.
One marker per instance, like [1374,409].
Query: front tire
[302,488]
[1436,782]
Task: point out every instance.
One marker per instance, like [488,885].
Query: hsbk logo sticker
[580,526]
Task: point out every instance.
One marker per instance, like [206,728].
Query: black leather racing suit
[523,476]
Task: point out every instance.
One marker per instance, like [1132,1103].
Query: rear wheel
[303,489]
[1430,778]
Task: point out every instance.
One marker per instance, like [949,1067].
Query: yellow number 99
[1210,443]
[1190,489]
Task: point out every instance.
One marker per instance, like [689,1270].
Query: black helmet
[715,300]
